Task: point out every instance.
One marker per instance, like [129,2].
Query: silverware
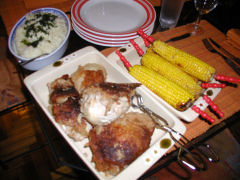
[22,63]
[186,35]
[237,60]
[190,159]
[228,61]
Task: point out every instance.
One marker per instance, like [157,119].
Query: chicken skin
[118,144]
[104,102]
[64,100]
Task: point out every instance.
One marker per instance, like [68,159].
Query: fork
[210,48]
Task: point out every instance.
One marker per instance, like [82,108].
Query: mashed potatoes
[41,33]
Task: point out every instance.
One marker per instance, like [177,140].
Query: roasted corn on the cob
[175,95]
[185,61]
[171,72]
[150,49]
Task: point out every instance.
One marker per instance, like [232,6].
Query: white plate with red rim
[37,83]
[103,42]
[99,42]
[130,53]
[112,38]
[116,18]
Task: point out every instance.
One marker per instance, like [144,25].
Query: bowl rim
[22,20]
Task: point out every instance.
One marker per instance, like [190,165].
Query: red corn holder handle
[203,114]
[136,46]
[220,78]
[212,85]
[227,79]
[145,36]
[213,106]
[123,59]
[146,42]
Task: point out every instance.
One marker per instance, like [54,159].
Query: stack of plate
[112,23]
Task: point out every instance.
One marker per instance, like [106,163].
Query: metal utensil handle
[194,161]
[158,119]
[230,63]
[183,36]
[22,63]
[204,149]
[209,152]
[236,59]
[171,131]
[198,163]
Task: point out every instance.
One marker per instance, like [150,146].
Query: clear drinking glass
[169,14]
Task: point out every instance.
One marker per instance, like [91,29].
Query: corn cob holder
[138,49]
[212,85]
[146,42]
[203,114]
[213,106]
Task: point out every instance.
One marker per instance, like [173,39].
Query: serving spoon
[22,63]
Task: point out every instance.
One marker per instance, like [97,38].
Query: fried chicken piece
[88,75]
[104,102]
[68,114]
[61,89]
[66,108]
[116,145]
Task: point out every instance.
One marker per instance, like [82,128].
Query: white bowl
[43,61]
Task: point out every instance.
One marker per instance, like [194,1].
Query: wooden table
[228,99]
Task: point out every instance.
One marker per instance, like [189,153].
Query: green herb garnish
[34,43]
[41,22]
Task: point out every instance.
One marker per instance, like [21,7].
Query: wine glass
[203,7]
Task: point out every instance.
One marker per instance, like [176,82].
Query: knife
[179,37]
[237,60]
[212,49]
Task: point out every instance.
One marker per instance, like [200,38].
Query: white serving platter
[37,82]
[132,56]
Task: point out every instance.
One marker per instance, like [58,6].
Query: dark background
[225,16]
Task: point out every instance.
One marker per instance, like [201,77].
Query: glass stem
[197,22]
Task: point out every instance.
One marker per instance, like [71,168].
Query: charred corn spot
[173,94]
[179,65]
[171,72]
[188,63]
